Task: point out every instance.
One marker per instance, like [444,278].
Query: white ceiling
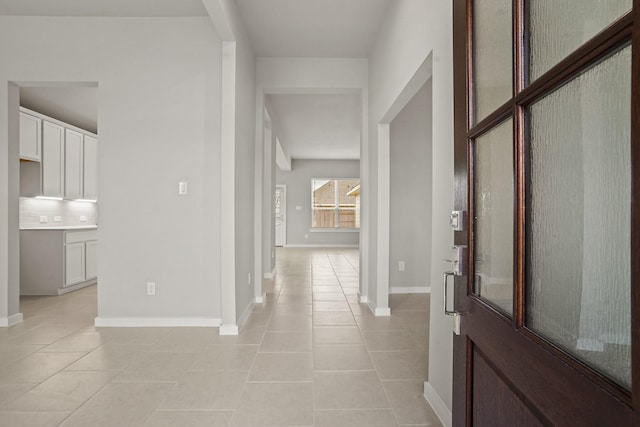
[317,126]
[129,8]
[75,105]
[313,28]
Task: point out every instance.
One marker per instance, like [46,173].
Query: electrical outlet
[306,236]
[57,218]
[400,265]
[151,288]
[83,218]
[44,219]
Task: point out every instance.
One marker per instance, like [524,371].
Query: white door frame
[283,209]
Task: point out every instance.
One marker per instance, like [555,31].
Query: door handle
[455,314]
[448,312]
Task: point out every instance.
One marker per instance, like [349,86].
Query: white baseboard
[363,299]
[382,312]
[229,330]
[66,290]
[410,290]
[270,275]
[378,311]
[321,246]
[245,315]
[14,319]
[149,322]
[438,405]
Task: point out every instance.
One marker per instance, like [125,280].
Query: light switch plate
[182,188]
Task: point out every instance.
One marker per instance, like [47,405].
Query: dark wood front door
[547,169]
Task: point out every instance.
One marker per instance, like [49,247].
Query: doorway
[57,198]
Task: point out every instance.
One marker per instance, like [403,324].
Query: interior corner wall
[411,31]
[298,182]
[159,123]
[410,195]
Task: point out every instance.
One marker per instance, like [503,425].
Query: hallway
[311,355]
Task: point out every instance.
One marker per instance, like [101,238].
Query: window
[335,203]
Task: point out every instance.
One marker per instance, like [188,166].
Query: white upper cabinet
[30,137]
[63,158]
[73,164]
[52,159]
[90,168]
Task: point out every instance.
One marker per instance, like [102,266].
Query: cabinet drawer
[80,236]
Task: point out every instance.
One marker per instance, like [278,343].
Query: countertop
[63,227]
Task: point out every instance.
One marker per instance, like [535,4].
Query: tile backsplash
[69,213]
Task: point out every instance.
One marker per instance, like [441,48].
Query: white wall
[245,187]
[9,211]
[159,121]
[412,30]
[298,182]
[268,193]
[410,225]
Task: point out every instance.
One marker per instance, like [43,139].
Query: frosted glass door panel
[492,55]
[558,27]
[493,211]
[578,293]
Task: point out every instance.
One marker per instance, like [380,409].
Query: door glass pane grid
[558,27]
[492,56]
[493,210]
[578,288]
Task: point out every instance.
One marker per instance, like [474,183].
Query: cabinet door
[52,160]
[30,137]
[91,260]
[90,168]
[73,164]
[74,263]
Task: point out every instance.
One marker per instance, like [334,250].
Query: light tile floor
[311,355]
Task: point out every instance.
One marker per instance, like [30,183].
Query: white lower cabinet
[91,259]
[74,263]
[56,261]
